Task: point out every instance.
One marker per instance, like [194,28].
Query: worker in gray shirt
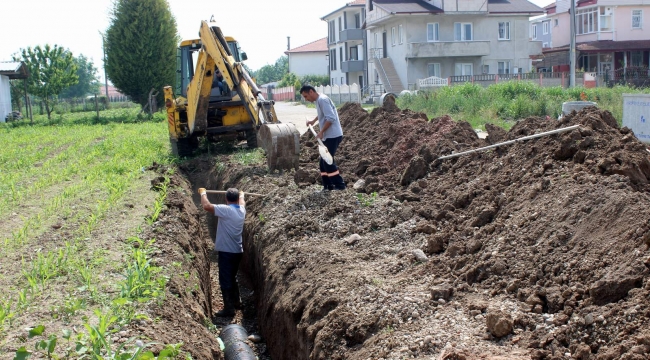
[228,244]
[330,133]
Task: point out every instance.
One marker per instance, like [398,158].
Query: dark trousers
[330,175]
[228,267]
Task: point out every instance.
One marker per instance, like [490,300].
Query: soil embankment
[533,250]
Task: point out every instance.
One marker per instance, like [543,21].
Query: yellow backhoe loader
[235,108]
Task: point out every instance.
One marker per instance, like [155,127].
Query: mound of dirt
[535,249]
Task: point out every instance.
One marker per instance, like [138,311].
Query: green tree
[51,69]
[289,79]
[88,83]
[271,73]
[315,80]
[141,43]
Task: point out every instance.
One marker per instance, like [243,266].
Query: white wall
[5,97]
[312,63]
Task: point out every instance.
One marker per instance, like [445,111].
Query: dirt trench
[537,249]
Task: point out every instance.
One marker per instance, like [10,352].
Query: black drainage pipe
[234,338]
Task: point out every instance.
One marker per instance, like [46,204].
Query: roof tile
[314,46]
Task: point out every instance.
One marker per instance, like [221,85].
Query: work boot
[228,306]
[235,298]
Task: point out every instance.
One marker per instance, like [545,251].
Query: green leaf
[66,334]
[22,354]
[166,354]
[51,344]
[147,356]
[120,301]
[36,331]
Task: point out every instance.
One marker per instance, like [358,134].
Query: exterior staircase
[388,75]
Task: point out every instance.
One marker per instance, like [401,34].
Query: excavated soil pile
[537,249]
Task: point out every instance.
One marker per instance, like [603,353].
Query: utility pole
[572,50]
[105,77]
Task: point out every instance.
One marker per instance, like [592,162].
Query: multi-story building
[309,59]
[414,39]
[610,35]
[541,30]
[345,41]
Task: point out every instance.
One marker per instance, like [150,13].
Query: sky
[260,26]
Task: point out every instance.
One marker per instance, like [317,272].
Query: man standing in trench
[330,132]
[228,244]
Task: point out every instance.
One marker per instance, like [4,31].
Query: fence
[341,93]
[546,79]
[283,93]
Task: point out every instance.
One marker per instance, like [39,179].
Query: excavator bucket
[281,142]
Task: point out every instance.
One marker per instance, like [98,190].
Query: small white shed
[9,71]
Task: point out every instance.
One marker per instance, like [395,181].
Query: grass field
[504,103]
[74,196]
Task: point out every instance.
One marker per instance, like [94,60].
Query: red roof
[314,46]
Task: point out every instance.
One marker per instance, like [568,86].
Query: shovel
[322,149]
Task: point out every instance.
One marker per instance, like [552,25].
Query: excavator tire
[281,142]
[251,138]
[184,147]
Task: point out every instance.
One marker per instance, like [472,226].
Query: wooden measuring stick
[223,192]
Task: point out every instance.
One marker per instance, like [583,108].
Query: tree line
[140,44]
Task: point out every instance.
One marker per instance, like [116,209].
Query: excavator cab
[198,108]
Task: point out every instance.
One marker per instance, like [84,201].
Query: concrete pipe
[235,347]
[569,106]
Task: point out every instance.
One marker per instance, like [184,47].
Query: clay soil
[534,250]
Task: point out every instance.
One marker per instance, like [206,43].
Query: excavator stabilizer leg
[281,142]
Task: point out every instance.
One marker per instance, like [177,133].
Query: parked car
[14,115]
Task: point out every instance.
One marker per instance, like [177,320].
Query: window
[357,21]
[433,69]
[341,54]
[464,69]
[586,21]
[533,32]
[486,69]
[333,59]
[605,19]
[392,36]
[332,33]
[463,31]
[400,34]
[503,67]
[556,22]
[637,18]
[432,32]
[637,58]
[340,24]
[354,53]
[504,31]
[545,26]
[342,81]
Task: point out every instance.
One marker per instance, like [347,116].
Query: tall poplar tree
[141,43]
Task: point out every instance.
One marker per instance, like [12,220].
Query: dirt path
[294,113]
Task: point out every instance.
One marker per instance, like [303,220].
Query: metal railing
[377,55]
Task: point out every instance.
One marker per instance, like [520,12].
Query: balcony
[448,49]
[350,34]
[351,66]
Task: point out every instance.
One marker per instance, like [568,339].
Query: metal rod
[223,192]
[556,131]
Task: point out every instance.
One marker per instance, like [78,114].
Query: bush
[506,102]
